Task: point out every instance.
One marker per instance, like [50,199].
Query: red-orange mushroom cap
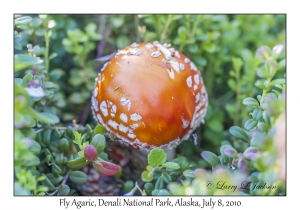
[149,95]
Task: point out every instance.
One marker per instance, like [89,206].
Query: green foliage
[157,157]
[54,79]
[78,177]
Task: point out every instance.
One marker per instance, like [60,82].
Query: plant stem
[193,31]
[225,97]
[265,90]
[62,184]
[238,90]
[59,128]
[47,40]
[169,21]
[137,34]
[195,25]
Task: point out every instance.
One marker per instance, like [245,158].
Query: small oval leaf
[159,183]
[77,163]
[189,174]
[211,158]
[257,114]
[170,165]
[64,190]
[251,102]
[250,124]
[147,176]
[78,177]
[99,142]
[22,20]
[47,183]
[100,129]
[239,133]
[157,157]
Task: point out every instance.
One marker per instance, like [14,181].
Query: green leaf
[103,156]
[257,114]
[278,82]
[48,85]
[122,41]
[40,178]
[100,129]
[35,147]
[149,187]
[232,84]
[77,98]
[166,177]
[18,81]
[55,180]
[211,158]
[182,32]
[149,168]
[59,158]
[176,189]
[209,47]
[23,61]
[64,145]
[36,49]
[249,124]
[77,163]
[53,55]
[260,84]
[22,20]
[251,153]
[251,102]
[159,183]
[170,165]
[230,152]
[182,162]
[43,116]
[78,177]
[20,190]
[81,154]
[237,63]
[128,185]
[157,157]
[32,162]
[48,183]
[263,127]
[215,124]
[119,174]
[99,142]
[58,133]
[193,48]
[117,22]
[42,188]
[56,169]
[189,174]
[78,138]
[267,117]
[174,176]
[268,69]
[49,159]
[239,133]
[64,190]
[157,192]
[147,176]
[26,78]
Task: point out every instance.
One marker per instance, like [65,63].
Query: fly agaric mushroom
[149,95]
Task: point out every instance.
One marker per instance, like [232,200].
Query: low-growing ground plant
[241,143]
